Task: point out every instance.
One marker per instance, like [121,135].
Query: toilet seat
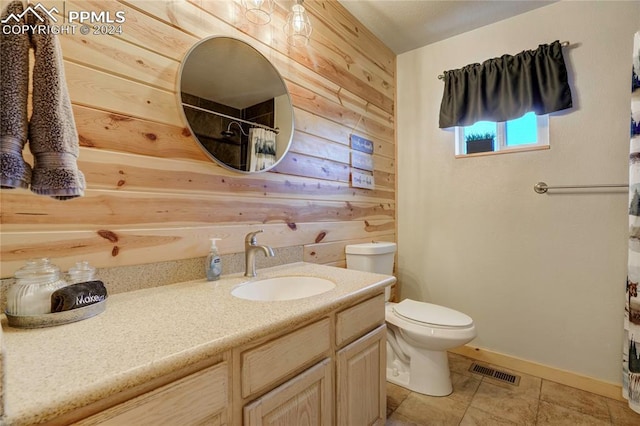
[431,315]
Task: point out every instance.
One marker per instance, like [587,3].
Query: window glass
[522,131]
[480,128]
[525,133]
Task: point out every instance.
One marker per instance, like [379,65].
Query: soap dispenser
[214,264]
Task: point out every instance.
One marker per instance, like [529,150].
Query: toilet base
[427,373]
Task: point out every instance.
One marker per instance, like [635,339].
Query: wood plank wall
[153,195]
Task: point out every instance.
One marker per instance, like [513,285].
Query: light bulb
[298,26]
[298,19]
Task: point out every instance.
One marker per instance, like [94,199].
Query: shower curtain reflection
[262,149]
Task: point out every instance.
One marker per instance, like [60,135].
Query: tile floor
[480,400]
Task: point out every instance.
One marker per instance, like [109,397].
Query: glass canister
[31,292]
[81,273]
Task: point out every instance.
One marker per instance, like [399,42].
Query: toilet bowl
[418,333]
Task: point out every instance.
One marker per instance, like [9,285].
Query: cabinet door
[361,380]
[305,400]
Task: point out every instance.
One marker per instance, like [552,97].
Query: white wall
[543,276]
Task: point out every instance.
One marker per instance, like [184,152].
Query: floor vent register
[495,374]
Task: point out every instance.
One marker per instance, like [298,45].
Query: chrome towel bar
[542,187]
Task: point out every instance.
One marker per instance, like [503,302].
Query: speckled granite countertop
[149,333]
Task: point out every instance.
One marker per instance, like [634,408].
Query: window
[524,133]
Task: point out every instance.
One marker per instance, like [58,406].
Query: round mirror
[236,104]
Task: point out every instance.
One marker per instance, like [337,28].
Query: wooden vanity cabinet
[286,379]
[328,371]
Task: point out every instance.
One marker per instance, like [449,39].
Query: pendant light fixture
[298,26]
[258,11]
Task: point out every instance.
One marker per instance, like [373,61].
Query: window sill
[505,151]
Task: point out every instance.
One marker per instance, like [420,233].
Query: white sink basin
[282,288]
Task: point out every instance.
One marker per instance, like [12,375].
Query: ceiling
[405,25]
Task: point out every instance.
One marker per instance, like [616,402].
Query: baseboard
[589,384]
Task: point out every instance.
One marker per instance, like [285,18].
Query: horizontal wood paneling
[128,208]
[134,62]
[105,130]
[120,247]
[116,171]
[98,89]
[358,36]
[153,194]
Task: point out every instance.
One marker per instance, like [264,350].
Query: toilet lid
[431,314]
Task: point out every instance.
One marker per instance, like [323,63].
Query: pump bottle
[214,264]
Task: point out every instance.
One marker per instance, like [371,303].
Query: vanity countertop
[149,333]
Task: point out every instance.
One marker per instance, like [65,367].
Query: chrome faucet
[250,248]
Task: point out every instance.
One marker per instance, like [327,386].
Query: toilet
[418,333]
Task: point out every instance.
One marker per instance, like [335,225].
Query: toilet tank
[371,257]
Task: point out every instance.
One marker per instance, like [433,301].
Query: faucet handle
[251,237]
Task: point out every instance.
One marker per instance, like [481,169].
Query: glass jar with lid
[82,272]
[31,292]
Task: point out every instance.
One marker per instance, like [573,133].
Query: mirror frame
[181,107]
